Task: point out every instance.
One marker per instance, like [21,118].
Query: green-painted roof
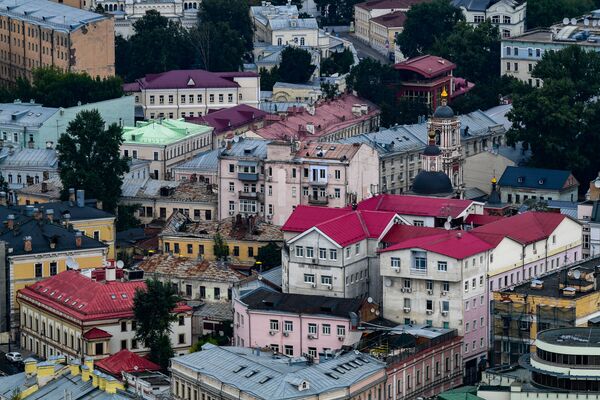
[162,132]
[461,393]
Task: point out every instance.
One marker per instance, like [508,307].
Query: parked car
[14,357]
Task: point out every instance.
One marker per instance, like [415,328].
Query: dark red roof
[80,297]
[416,205]
[184,79]
[229,118]
[524,228]
[305,217]
[455,244]
[96,333]
[478,220]
[126,361]
[400,232]
[385,4]
[395,19]
[427,65]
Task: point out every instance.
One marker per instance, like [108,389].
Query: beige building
[158,199]
[281,25]
[192,93]
[364,12]
[165,143]
[384,29]
[38,33]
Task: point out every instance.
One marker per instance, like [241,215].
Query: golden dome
[494,180]
[444,93]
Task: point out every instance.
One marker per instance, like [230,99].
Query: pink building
[327,120]
[296,325]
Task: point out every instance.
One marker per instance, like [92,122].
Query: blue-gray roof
[43,158]
[205,161]
[535,178]
[499,114]
[48,14]
[278,377]
[473,5]
[24,114]
[244,147]
[274,275]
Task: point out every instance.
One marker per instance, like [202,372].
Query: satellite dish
[447,225]
[387,282]
[370,300]
[120,264]
[586,22]
[577,274]
[71,263]
[573,21]
[566,21]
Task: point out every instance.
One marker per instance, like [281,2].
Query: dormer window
[521,179]
[542,181]
[191,82]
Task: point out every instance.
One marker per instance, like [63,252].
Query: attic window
[113,296]
[59,296]
[340,370]
[265,379]
[80,306]
[191,82]
[521,179]
[347,368]
[123,295]
[363,360]
[52,293]
[45,290]
[251,373]
[332,375]
[67,300]
[239,368]
[542,181]
[357,361]
[74,303]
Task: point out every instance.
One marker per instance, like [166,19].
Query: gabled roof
[187,79]
[537,178]
[305,217]
[455,244]
[524,228]
[229,118]
[427,65]
[400,232]
[126,361]
[96,333]
[417,205]
[395,19]
[161,132]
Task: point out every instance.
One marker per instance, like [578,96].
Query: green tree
[426,23]
[202,341]
[158,45]
[152,308]
[268,78]
[235,13]
[336,12]
[543,13]
[269,255]
[330,90]
[16,394]
[3,185]
[220,247]
[89,158]
[219,47]
[126,218]
[560,121]
[338,62]
[487,94]
[296,65]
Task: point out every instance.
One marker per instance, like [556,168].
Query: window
[326,329]
[309,278]
[190,248]
[181,338]
[288,326]
[310,252]
[420,261]
[38,270]
[446,286]
[211,98]
[442,266]
[181,319]
[478,19]
[156,156]
[250,251]
[312,352]
[274,325]
[312,329]
[322,253]
[123,326]
[466,286]
[230,98]
[495,19]
[445,306]
[288,350]
[341,330]
[326,280]
[236,251]
[395,262]
[220,98]
[123,344]
[332,254]
[99,349]
[429,285]
[506,19]
[202,292]
[357,248]
[337,193]
[429,305]
[53,268]
[407,284]
[217,293]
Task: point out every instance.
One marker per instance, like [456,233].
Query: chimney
[45,373]
[27,243]
[45,175]
[110,274]
[3,201]
[50,215]
[28,211]
[74,366]
[80,198]
[78,238]
[99,204]
[72,196]
[37,214]
[10,221]
[66,219]
[44,187]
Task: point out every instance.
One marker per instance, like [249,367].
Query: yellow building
[244,236]
[564,298]
[35,246]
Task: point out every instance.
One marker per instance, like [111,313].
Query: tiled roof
[78,296]
[537,178]
[455,244]
[96,333]
[305,217]
[267,300]
[391,4]
[416,205]
[186,79]
[182,267]
[524,228]
[248,148]
[395,19]
[229,118]
[126,361]
[429,66]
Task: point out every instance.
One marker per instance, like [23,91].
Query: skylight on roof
[45,290]
[340,370]
[265,379]
[251,373]
[80,306]
[59,296]
[239,368]
[332,375]
[347,368]
[124,295]
[113,296]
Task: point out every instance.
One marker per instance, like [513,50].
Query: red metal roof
[356,226]
[229,118]
[305,217]
[524,228]
[427,65]
[183,79]
[126,361]
[455,244]
[96,333]
[395,19]
[389,4]
[400,232]
[416,205]
[79,297]
[478,220]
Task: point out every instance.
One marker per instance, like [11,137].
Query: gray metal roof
[277,377]
[206,161]
[293,23]
[24,114]
[274,275]
[244,147]
[499,114]
[46,158]
[48,14]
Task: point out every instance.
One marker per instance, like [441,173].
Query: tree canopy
[220,247]
[560,121]
[235,13]
[338,62]
[90,160]
[269,255]
[54,88]
[427,23]
[296,65]
[219,47]
[336,12]
[158,45]
[544,13]
[152,308]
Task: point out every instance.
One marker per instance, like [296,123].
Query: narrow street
[362,49]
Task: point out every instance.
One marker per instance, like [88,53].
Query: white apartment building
[192,93]
[507,15]
[281,25]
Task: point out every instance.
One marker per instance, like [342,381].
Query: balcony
[251,195]
[318,200]
[248,177]
[318,183]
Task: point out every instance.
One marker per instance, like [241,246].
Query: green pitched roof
[162,132]
[461,393]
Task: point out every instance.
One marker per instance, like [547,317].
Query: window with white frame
[445,306]
[322,253]
[310,252]
[274,325]
[326,329]
[312,329]
[420,260]
[333,254]
[442,266]
[288,326]
[248,206]
[395,262]
[341,330]
[299,251]
[309,278]
[407,284]
[446,286]
[326,280]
